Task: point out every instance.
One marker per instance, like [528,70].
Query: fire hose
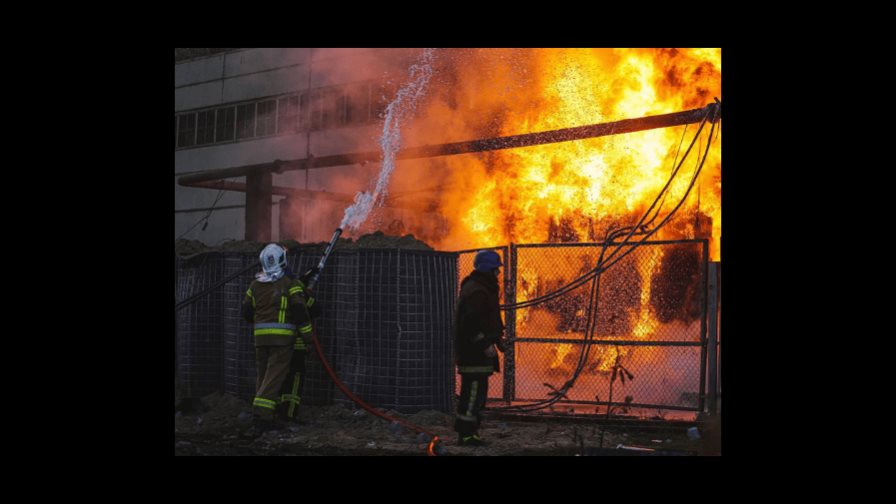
[315,273]
[434,447]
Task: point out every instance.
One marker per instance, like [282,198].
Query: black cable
[583,353]
[195,297]
[587,276]
[710,110]
[672,212]
[580,364]
[674,160]
[589,337]
[205,217]
[588,341]
[600,267]
[190,229]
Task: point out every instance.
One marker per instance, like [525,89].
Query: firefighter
[291,391]
[478,330]
[277,303]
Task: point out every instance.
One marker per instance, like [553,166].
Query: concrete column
[258,206]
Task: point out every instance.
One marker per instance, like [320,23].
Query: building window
[304,116]
[317,104]
[224,129]
[288,115]
[325,111]
[267,118]
[332,112]
[317,109]
[343,107]
[186,130]
[380,95]
[245,121]
[357,105]
[205,128]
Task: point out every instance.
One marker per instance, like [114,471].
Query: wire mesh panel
[335,309]
[199,337]
[385,326]
[464,268]
[215,348]
[239,350]
[647,344]
[397,352]
[239,345]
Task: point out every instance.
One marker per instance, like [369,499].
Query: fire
[560,352]
[646,324]
[571,191]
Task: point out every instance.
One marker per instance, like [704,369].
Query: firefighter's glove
[501,343]
[306,276]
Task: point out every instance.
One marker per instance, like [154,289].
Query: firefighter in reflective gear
[277,304]
[291,391]
[478,330]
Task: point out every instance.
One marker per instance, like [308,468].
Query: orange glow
[646,324]
[570,191]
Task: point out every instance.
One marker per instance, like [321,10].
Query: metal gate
[649,346]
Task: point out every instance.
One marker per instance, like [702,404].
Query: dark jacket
[278,312]
[477,324]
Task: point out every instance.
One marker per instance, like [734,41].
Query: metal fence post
[510,324]
[704,270]
[712,315]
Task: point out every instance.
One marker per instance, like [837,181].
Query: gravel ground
[186,248]
[217,425]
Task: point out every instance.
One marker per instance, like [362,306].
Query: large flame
[570,191]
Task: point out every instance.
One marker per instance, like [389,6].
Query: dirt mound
[186,248]
[380,240]
[223,404]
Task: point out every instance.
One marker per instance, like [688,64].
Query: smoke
[370,74]
[533,194]
[402,107]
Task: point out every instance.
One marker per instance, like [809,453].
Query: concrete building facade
[248,110]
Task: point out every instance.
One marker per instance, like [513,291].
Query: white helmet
[273,259]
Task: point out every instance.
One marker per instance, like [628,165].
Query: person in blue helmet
[478,330]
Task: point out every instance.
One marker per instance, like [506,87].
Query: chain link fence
[648,346]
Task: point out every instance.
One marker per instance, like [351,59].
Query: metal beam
[258,207]
[291,192]
[448,149]
[228,185]
[712,314]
